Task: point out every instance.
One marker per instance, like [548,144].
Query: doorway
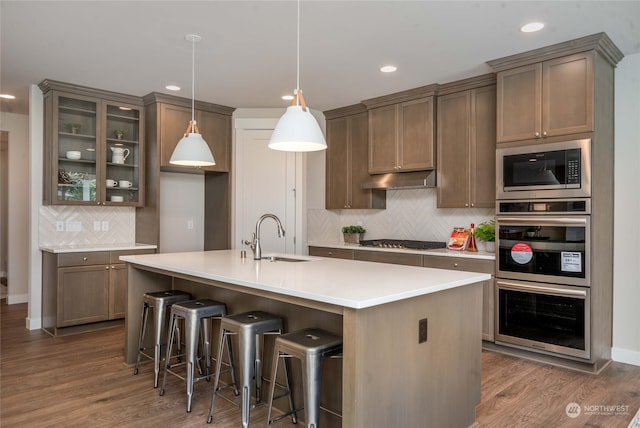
[265,182]
[4,211]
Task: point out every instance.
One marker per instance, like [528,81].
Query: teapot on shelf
[119,154]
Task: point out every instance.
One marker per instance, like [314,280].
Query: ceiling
[247,57]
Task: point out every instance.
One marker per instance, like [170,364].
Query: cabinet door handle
[455,265]
[472,205]
[466,205]
[106,267]
[544,134]
[537,134]
[84,259]
[331,253]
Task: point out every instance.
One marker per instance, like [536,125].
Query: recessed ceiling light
[532,27]
[388,68]
[173,87]
[287,97]
[7,96]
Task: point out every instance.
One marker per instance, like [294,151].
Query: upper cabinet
[168,118]
[402,131]
[466,143]
[94,146]
[347,160]
[551,91]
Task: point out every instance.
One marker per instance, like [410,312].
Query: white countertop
[347,283]
[436,252]
[95,247]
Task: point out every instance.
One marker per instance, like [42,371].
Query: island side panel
[389,379]
[139,282]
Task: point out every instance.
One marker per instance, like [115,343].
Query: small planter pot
[352,238]
[491,247]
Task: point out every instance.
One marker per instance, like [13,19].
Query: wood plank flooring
[80,381]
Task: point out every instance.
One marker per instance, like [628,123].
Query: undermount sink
[283,259]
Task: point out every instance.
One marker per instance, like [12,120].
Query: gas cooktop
[403,243]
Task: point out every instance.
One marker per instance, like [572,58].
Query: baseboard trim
[626,356]
[34,323]
[13,299]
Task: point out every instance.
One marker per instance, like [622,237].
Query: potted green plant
[119,133]
[72,127]
[486,232]
[352,234]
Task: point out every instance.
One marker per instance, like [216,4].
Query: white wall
[626,286]
[18,200]
[181,207]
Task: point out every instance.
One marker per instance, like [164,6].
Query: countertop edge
[441,252]
[95,247]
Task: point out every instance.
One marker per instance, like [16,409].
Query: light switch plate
[105,226]
[96,226]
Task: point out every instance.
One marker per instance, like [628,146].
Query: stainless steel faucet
[255,242]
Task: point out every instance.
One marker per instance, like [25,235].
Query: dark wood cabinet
[552,91]
[336,253]
[85,290]
[168,117]
[347,160]
[402,131]
[93,146]
[466,143]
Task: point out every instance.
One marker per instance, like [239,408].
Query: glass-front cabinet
[93,147]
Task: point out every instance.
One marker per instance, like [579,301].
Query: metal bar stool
[250,328]
[159,301]
[310,346]
[197,315]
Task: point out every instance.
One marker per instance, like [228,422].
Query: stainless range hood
[401,180]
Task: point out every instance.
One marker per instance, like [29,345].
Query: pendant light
[297,130]
[192,150]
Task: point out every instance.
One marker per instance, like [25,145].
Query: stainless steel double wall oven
[543,248]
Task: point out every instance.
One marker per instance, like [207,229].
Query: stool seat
[196,315]
[248,327]
[310,346]
[160,301]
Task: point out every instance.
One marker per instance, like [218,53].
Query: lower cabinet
[83,289]
[488,293]
[437,262]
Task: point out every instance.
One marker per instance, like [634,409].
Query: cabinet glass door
[76,149]
[122,154]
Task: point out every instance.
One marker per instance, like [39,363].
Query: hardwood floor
[80,380]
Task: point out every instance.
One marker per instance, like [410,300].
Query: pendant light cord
[298,60]
[193,81]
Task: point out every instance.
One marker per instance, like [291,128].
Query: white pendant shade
[192,150]
[297,131]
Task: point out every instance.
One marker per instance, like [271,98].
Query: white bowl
[117,199]
[73,154]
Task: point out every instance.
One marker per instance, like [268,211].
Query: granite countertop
[436,252]
[95,247]
[347,283]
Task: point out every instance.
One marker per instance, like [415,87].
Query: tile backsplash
[76,225]
[410,214]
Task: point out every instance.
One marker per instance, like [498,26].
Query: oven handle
[545,290]
[519,221]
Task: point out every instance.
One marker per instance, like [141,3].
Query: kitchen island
[386,377]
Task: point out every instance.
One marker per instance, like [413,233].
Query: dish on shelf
[73,154]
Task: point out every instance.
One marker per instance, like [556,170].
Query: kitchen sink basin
[283,259]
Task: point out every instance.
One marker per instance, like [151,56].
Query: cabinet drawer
[83,259]
[460,263]
[114,256]
[336,253]
[393,258]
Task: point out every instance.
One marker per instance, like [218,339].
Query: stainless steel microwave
[548,170]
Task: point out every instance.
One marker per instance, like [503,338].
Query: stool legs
[143,328]
[312,373]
